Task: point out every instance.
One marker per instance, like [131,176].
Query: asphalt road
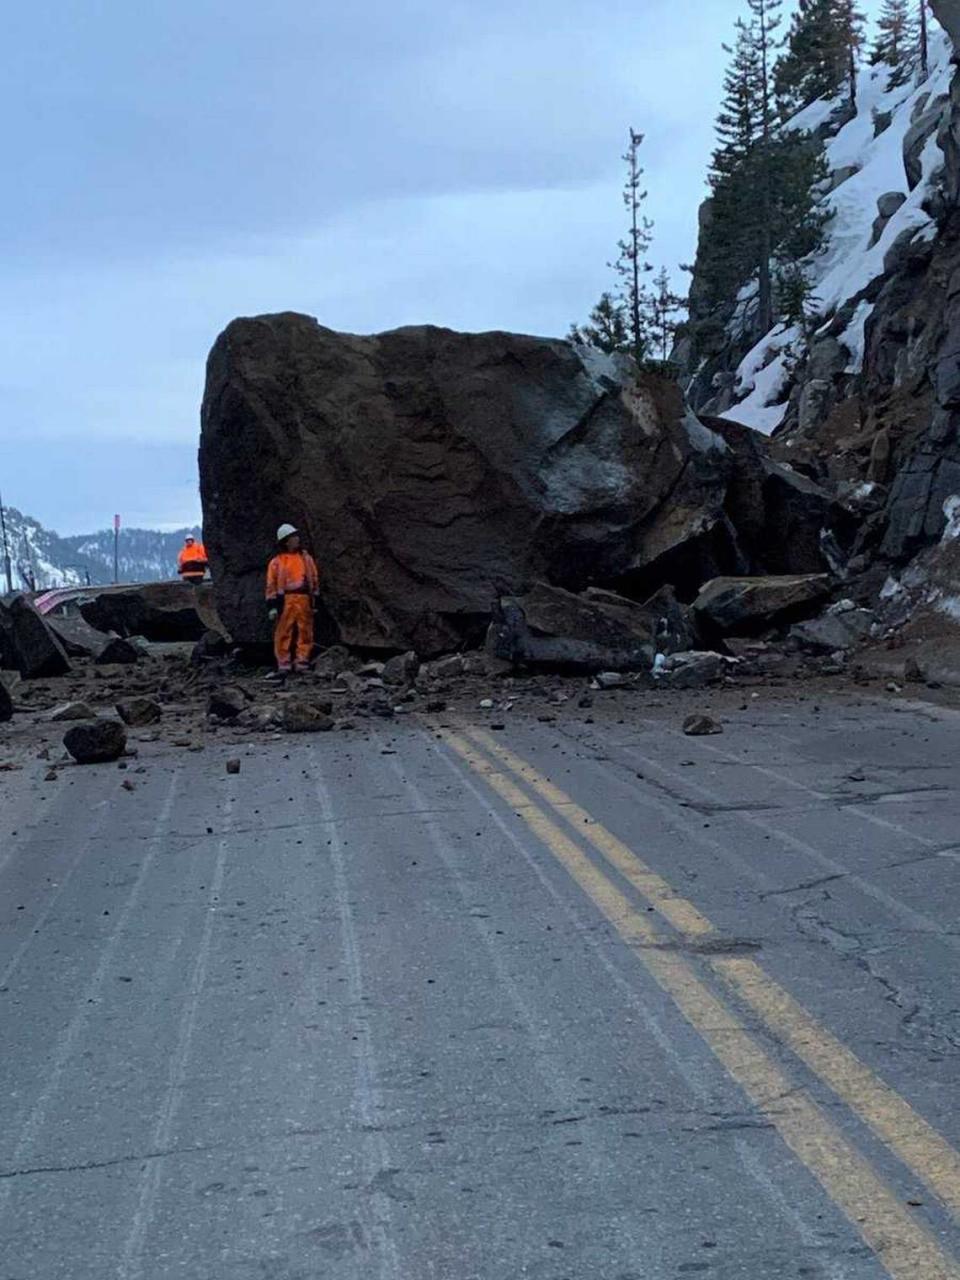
[565,1001]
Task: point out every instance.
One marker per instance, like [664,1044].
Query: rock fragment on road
[96,743]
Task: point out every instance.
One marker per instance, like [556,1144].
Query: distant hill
[36,553]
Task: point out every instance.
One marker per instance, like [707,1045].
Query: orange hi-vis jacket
[292,573]
[192,561]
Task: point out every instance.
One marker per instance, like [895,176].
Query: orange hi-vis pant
[293,636]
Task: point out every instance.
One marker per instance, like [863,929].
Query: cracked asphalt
[573,1001]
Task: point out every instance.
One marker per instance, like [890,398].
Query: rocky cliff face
[870,402]
[433,472]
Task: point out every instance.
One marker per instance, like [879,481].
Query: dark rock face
[598,631]
[779,514]
[78,638]
[96,743]
[432,472]
[161,611]
[6,703]
[737,606]
[29,644]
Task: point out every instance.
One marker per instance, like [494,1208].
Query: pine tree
[766,19]
[745,133]
[666,308]
[849,39]
[607,328]
[797,301]
[923,39]
[631,265]
[893,44]
[824,47]
[738,125]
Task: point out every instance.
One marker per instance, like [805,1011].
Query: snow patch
[847,266]
[951,509]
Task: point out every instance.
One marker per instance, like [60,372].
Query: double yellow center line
[907,1249]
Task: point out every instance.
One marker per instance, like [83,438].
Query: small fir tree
[606,329]
[666,311]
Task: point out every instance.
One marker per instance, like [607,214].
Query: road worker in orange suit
[293,584]
[192,560]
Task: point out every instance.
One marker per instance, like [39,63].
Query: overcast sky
[171,164]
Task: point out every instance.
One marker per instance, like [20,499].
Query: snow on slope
[847,264]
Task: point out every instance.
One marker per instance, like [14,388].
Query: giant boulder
[161,611]
[28,644]
[432,472]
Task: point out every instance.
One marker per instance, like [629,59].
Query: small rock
[701,726]
[486,704]
[128,785]
[611,680]
[300,716]
[691,670]
[449,668]
[227,702]
[401,670]
[117,651]
[233,766]
[585,702]
[913,672]
[51,775]
[73,711]
[436,705]
[137,712]
[95,743]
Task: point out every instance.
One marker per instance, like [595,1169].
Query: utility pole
[116,549]
[6,550]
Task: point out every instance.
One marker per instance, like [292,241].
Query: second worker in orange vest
[293,584]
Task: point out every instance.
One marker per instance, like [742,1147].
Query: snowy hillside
[895,128]
[40,558]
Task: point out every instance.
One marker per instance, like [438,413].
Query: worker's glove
[273,615]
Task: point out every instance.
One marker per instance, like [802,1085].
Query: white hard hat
[284,532]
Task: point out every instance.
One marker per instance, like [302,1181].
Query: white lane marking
[68,1040]
[131,1263]
[368,1099]
[84,844]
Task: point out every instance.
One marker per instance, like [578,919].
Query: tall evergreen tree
[923,39]
[893,44]
[621,321]
[764,217]
[632,265]
[766,18]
